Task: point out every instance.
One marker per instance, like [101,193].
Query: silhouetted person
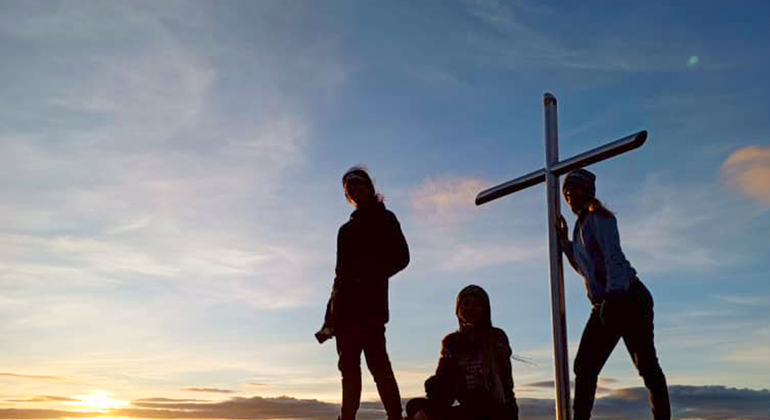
[370,249]
[474,369]
[622,305]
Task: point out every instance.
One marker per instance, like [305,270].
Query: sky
[171,193]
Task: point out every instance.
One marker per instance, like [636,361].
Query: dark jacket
[474,369]
[460,373]
[370,249]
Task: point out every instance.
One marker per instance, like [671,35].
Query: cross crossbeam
[580,161]
[550,174]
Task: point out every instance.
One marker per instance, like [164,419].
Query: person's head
[579,189]
[580,192]
[472,308]
[359,188]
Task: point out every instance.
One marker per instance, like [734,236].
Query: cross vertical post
[558,307]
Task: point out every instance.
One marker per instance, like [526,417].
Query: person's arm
[566,244]
[616,266]
[507,368]
[398,250]
[508,409]
[342,275]
[441,387]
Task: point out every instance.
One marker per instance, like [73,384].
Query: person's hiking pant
[442,411]
[635,325]
[370,340]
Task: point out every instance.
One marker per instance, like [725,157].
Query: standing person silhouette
[622,305]
[370,249]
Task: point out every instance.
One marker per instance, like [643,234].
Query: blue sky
[171,187]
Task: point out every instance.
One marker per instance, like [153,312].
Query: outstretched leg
[639,339]
[595,348]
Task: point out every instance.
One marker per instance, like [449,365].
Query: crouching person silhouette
[474,369]
[370,249]
[622,305]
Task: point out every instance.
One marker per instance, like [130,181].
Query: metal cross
[550,174]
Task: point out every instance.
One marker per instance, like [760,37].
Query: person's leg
[596,345]
[349,345]
[379,365]
[639,339]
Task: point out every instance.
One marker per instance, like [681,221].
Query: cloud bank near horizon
[713,402]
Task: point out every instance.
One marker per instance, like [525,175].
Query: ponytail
[597,206]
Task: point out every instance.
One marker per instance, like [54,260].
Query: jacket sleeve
[398,249]
[617,268]
[342,275]
[441,388]
[507,369]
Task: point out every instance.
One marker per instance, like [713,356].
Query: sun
[100,401]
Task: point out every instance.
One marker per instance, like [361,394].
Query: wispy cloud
[45,398]
[748,300]
[165,400]
[550,384]
[446,199]
[466,256]
[31,377]
[748,170]
[662,225]
[209,390]
[137,179]
[515,39]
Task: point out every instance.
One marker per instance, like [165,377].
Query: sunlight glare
[100,401]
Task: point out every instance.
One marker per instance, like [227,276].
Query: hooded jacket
[475,365]
[370,249]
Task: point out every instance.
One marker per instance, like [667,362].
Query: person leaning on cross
[622,305]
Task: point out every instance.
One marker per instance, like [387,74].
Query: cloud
[662,227]
[512,37]
[31,377]
[165,400]
[467,256]
[22,413]
[752,300]
[704,402]
[121,167]
[212,390]
[748,170]
[445,214]
[45,398]
[447,198]
[550,385]
[254,407]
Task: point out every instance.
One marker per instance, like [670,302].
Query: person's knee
[653,376]
[416,406]
[585,370]
[349,366]
[649,368]
[380,370]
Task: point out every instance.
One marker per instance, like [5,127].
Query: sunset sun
[100,401]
